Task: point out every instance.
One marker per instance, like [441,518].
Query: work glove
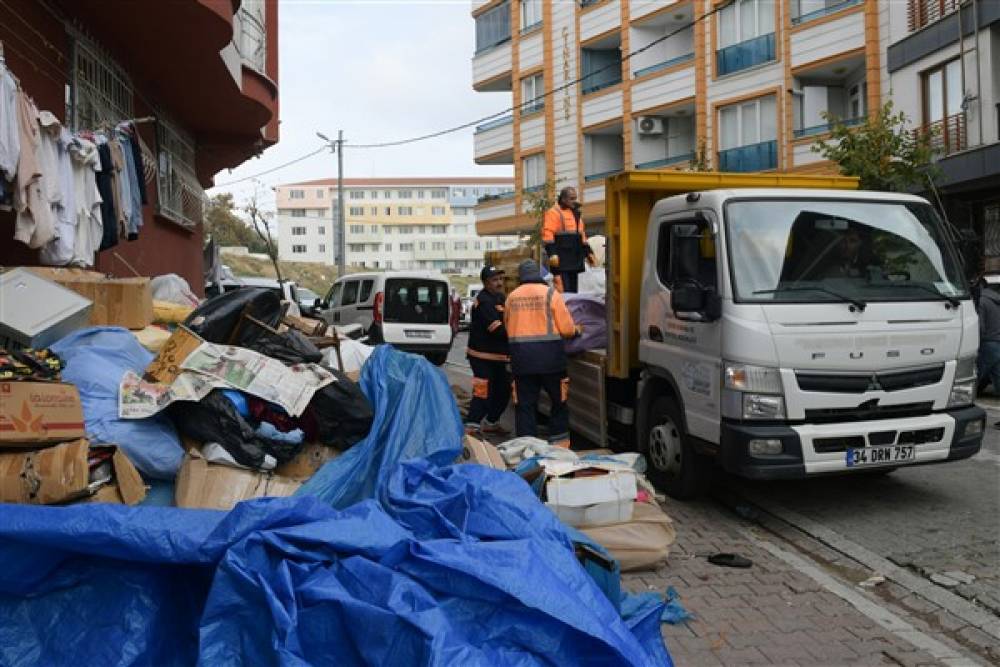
[554,262]
[579,331]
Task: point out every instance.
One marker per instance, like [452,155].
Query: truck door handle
[655,333]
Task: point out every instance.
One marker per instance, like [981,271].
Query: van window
[333,296]
[366,290]
[416,301]
[350,293]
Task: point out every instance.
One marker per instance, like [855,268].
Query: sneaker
[493,429]
[472,429]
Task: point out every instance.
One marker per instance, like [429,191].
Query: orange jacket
[560,220]
[537,320]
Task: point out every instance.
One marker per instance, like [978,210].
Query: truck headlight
[963,389]
[752,392]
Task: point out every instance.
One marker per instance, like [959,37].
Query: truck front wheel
[674,466]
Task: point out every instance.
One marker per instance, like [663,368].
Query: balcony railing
[600,85]
[755,157]
[588,3]
[601,175]
[665,162]
[498,122]
[947,135]
[825,11]
[533,106]
[665,64]
[745,54]
[924,12]
[822,129]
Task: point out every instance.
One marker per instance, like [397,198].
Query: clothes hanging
[90,227]
[10,142]
[135,191]
[57,173]
[106,186]
[35,224]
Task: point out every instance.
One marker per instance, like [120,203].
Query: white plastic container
[35,312]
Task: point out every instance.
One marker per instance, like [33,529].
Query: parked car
[409,309]
[306,299]
[287,289]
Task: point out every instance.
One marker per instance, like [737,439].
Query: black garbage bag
[289,347]
[215,319]
[339,414]
[215,419]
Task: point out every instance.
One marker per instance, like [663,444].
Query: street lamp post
[338,212]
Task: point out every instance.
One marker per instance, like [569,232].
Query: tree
[535,203]
[881,152]
[699,161]
[258,219]
[227,229]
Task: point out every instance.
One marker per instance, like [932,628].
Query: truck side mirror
[319,304]
[693,302]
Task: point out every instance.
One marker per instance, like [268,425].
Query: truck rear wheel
[673,465]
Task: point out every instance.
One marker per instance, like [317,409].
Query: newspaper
[291,387]
[139,399]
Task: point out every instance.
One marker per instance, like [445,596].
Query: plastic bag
[173,289]
[96,358]
[289,347]
[592,314]
[339,414]
[353,354]
[415,418]
[215,319]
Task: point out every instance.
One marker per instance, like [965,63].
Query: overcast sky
[379,70]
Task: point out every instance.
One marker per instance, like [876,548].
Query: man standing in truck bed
[566,241]
[537,321]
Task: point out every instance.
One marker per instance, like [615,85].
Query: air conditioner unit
[650,125]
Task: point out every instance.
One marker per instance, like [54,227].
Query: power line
[568,84]
[273,169]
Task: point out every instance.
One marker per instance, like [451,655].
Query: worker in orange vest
[537,320]
[566,241]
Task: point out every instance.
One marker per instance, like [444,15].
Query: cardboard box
[166,366]
[62,474]
[36,312]
[584,494]
[214,486]
[120,302]
[33,413]
[307,462]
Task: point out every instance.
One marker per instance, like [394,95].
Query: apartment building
[391,223]
[746,81]
[943,62]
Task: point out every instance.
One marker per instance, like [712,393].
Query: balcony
[827,9]
[659,67]
[755,157]
[601,175]
[817,130]
[745,55]
[922,13]
[675,161]
[491,64]
[666,139]
[599,20]
[494,142]
[603,153]
[601,64]
[947,136]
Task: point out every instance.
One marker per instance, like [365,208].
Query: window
[319,194]
[420,194]
[405,210]
[298,249]
[388,210]
[406,247]
[857,100]
[437,210]
[458,192]
[405,229]
[531,14]
[101,89]
[423,245]
[357,229]
[387,230]
[438,229]
[438,193]
[532,93]
[357,194]
[388,194]
[438,245]
[374,229]
[356,247]
[298,213]
[746,35]
[476,245]
[461,245]
[943,96]
[333,296]
[686,251]
[493,27]
[298,231]
[460,210]
[924,12]
[357,210]
[406,194]
[374,210]
[366,289]
[460,229]
[350,293]
[322,247]
[747,136]
[533,171]
[601,68]
[296,194]
[388,247]
[489,245]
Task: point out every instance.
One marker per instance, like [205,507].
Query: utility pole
[337,214]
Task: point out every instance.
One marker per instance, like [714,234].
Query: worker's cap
[528,270]
[488,272]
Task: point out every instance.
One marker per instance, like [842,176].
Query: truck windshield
[798,250]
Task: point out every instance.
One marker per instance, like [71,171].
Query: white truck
[780,326]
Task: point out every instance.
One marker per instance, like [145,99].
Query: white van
[409,309]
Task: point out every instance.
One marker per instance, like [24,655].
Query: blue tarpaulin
[441,565]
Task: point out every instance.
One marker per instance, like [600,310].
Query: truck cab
[790,332]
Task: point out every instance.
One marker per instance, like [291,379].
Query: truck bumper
[808,449]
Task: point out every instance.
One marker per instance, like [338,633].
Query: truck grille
[843,443]
[859,383]
[867,413]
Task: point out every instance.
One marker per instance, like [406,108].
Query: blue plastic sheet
[415,418]
[461,566]
[96,359]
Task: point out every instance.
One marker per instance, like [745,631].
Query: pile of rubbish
[220,482]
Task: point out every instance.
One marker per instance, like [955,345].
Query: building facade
[391,223]
[739,84]
[206,105]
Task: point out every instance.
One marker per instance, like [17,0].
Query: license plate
[879,455]
[416,333]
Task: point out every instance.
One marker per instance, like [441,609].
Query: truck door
[682,324]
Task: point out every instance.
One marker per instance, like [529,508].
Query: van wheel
[437,358]
[674,467]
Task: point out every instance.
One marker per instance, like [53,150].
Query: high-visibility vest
[558,219]
[537,321]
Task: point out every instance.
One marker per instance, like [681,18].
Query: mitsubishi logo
[873,384]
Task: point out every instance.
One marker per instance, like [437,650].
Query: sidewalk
[772,613]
